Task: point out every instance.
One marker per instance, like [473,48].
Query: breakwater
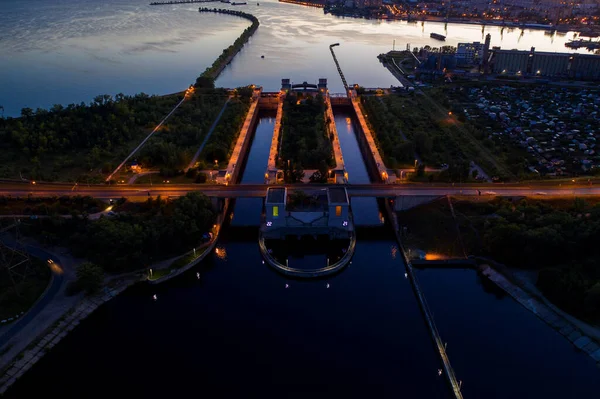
[213,71]
[164,3]
[303,3]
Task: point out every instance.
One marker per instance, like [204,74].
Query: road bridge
[377,190]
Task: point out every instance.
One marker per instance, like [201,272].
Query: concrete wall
[240,151]
[403,203]
[274,152]
[332,130]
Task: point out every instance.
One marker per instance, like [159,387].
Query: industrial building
[534,63]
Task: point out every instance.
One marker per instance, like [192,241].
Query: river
[70,51]
[242,330]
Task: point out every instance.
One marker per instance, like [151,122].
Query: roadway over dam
[377,190]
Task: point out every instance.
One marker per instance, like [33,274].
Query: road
[41,303]
[210,131]
[259,190]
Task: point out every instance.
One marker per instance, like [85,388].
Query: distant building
[368,3]
[469,53]
[572,65]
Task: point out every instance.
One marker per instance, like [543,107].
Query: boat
[262,56]
[239,3]
[257,4]
[437,36]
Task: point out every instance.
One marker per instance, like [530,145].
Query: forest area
[409,126]
[305,142]
[138,234]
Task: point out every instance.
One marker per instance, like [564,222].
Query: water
[500,349]
[248,210]
[70,51]
[364,210]
[239,332]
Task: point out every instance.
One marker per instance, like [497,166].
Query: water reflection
[91,47]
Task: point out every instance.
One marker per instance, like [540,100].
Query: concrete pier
[240,150]
[271,173]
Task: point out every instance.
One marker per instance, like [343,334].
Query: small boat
[437,36]
[239,3]
[257,4]
[262,56]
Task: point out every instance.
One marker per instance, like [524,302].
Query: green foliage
[14,300]
[304,138]
[560,237]
[90,278]
[48,142]
[173,146]
[139,235]
[223,139]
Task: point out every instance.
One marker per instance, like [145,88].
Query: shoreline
[58,330]
[541,308]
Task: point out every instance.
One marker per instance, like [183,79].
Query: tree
[90,277]
[591,303]
[205,82]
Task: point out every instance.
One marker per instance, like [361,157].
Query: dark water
[239,332]
[498,348]
[364,210]
[248,210]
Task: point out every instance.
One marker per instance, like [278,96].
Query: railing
[337,64]
[291,271]
[449,371]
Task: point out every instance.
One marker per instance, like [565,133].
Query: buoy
[327,285]
[262,56]
[286,286]
[154,297]
[198,276]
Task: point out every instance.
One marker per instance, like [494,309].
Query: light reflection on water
[69,51]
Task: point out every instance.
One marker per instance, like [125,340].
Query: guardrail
[435,334]
[311,273]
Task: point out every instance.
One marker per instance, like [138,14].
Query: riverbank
[58,330]
[540,306]
[443,230]
[166,270]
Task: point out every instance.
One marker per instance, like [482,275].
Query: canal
[248,210]
[365,211]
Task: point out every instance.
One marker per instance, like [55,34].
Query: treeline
[42,144]
[560,237]
[212,72]
[63,205]
[304,139]
[140,233]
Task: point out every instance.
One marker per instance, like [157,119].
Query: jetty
[164,3]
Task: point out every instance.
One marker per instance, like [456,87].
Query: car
[541,193]
[111,213]
[490,193]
